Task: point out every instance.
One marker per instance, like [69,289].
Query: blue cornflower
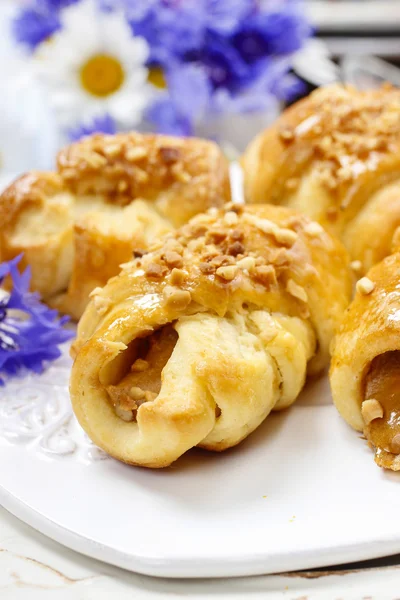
[165,117]
[133,9]
[34,25]
[223,63]
[177,111]
[103,124]
[242,49]
[30,332]
[171,29]
[56,4]
[225,16]
[273,82]
[175,29]
[279,32]
[40,20]
[216,55]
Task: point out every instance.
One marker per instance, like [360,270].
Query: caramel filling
[381,409]
[143,382]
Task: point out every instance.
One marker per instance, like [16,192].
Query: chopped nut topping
[265,274]
[154,270]
[371,409]
[228,273]
[138,253]
[263,261]
[356,266]
[173,259]
[264,225]
[213,212]
[112,150]
[173,245]
[295,222]
[210,251]
[176,297]
[286,135]
[177,277]
[281,234]
[95,160]
[237,235]
[313,229]
[236,208]
[139,365]
[365,286]
[126,266]
[198,230]
[196,244]
[141,175]
[125,415]
[136,393]
[231,218]
[222,260]
[236,248]
[181,175]
[281,257]
[260,260]
[296,290]
[285,236]
[216,236]
[134,154]
[101,304]
[248,263]
[170,155]
[69,173]
[206,268]
[350,130]
[150,396]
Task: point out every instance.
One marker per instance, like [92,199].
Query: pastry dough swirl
[335,156]
[365,370]
[110,193]
[195,342]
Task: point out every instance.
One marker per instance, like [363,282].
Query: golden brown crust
[261,279]
[45,242]
[189,174]
[370,330]
[111,194]
[329,156]
[31,189]
[287,257]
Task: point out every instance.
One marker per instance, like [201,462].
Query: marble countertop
[33,566]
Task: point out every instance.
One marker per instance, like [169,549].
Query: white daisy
[95,65]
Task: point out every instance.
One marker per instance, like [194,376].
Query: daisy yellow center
[102,75]
[156,77]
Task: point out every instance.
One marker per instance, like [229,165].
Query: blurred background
[223,69]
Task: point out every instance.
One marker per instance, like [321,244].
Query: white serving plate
[303,491]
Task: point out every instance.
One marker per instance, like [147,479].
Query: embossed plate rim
[223,560]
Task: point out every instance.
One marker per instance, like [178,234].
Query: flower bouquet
[182,67]
[30,332]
